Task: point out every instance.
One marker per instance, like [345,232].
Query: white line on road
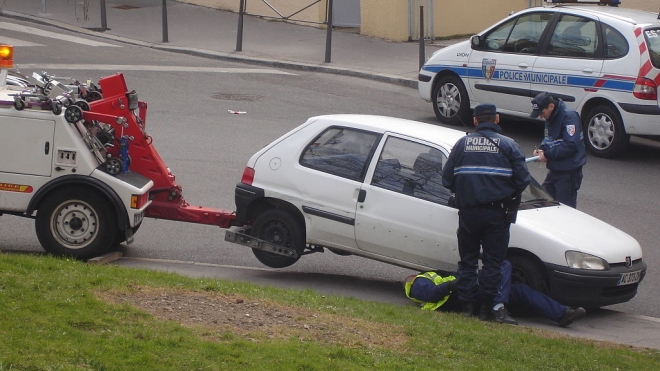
[121,67]
[52,35]
[17,42]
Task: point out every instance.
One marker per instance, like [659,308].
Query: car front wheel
[604,134]
[450,101]
[281,228]
[527,271]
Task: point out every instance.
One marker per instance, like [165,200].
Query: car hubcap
[75,225]
[601,132]
[449,100]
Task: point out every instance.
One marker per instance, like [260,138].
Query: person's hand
[542,157]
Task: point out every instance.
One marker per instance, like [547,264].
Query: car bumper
[592,289]
[244,195]
[425,85]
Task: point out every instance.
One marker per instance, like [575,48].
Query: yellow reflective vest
[436,279]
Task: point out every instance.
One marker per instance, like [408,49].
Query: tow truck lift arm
[117,108]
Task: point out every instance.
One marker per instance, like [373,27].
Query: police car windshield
[652,36]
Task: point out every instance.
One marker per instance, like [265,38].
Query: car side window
[519,35]
[413,169]
[616,45]
[340,151]
[574,37]
[653,44]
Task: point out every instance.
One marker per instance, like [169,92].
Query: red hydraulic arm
[117,108]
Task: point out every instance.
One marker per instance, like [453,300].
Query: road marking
[121,67]
[53,35]
[17,42]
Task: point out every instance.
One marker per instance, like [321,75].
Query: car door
[403,213]
[570,65]
[328,181]
[506,58]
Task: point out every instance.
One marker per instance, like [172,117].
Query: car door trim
[328,215]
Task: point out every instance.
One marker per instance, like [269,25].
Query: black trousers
[481,229]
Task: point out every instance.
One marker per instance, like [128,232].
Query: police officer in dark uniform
[562,148]
[485,170]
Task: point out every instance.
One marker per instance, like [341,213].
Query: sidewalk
[213,33]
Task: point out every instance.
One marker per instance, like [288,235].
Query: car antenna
[464,124]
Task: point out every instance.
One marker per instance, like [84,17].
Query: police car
[603,61]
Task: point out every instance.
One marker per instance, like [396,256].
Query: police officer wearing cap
[562,148]
[484,170]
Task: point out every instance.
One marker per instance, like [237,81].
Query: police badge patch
[488,68]
[570,129]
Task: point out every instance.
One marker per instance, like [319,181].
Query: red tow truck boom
[117,108]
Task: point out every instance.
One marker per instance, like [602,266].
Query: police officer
[484,169]
[562,148]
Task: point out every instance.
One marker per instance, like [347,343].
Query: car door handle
[523,65]
[362,195]
[588,70]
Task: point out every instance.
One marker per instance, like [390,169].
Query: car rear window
[652,36]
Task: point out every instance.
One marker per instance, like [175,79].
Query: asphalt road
[207,148]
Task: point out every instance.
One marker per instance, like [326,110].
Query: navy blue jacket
[563,144]
[479,172]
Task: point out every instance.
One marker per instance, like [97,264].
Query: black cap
[485,109]
[540,102]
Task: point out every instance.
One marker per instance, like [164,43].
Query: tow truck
[77,158]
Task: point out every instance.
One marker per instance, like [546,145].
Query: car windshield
[653,42]
[535,196]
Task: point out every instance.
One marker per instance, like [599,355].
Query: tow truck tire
[604,134]
[278,227]
[526,270]
[76,221]
[451,103]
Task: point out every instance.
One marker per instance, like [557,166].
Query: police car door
[403,213]
[570,65]
[502,66]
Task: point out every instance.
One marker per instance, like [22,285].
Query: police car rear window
[653,43]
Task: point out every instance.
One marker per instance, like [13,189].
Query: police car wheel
[604,134]
[451,103]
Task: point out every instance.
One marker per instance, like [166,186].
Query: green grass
[51,318]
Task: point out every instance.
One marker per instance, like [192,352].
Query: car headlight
[579,260]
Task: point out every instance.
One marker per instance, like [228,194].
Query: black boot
[571,315]
[502,316]
[486,313]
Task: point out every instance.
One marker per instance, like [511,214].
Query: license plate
[629,278]
[138,218]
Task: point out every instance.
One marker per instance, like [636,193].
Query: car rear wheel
[278,227]
[604,134]
[450,101]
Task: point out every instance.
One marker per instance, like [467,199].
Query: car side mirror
[476,42]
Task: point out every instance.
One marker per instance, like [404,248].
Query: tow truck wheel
[19,104]
[76,221]
[451,103]
[73,114]
[57,108]
[278,227]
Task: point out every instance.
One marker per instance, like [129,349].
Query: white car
[371,186]
[603,61]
